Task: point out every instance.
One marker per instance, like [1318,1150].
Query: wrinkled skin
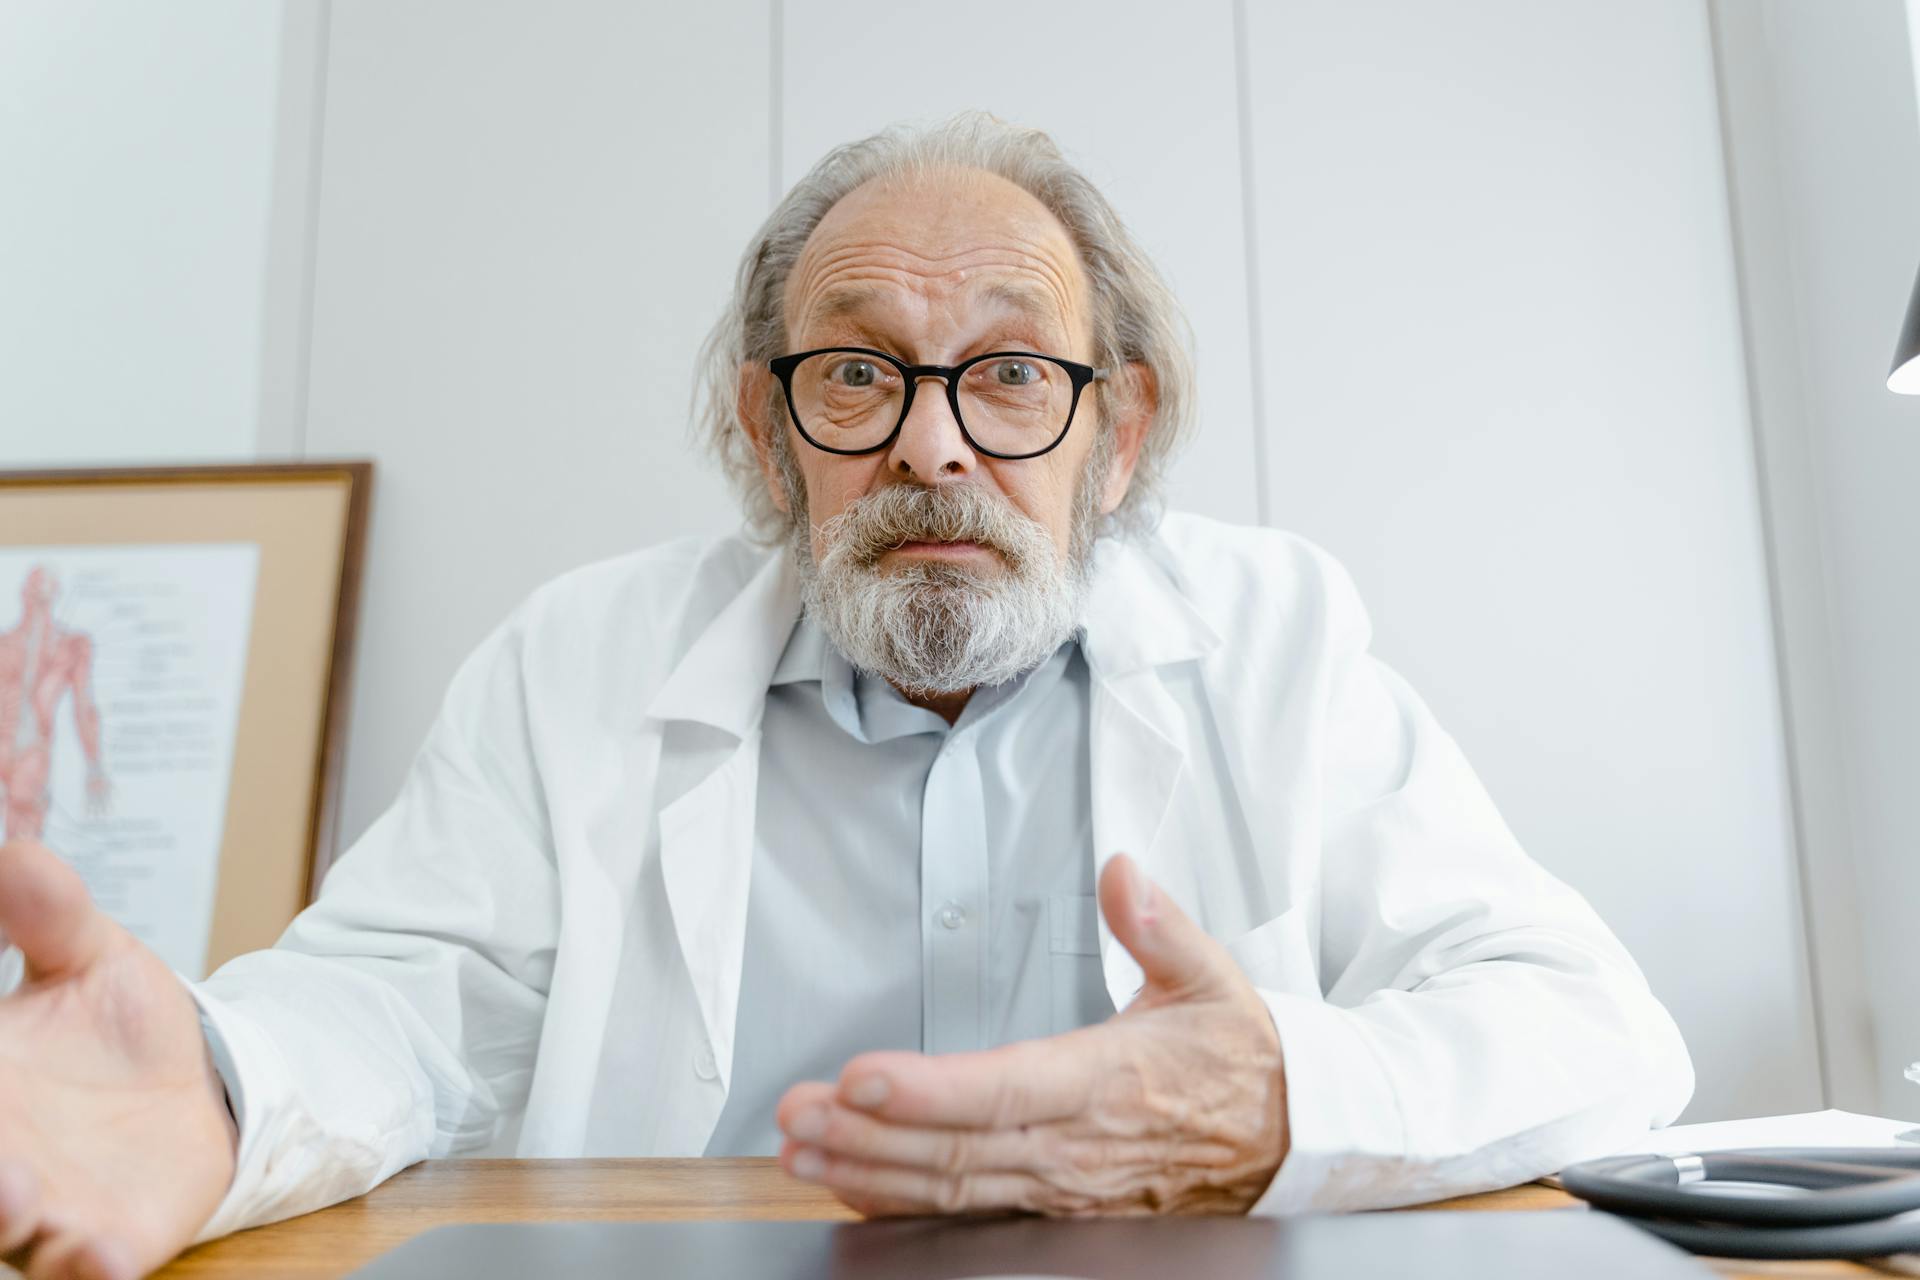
[1175,1104]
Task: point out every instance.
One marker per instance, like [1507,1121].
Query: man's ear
[1129,427]
[751,406]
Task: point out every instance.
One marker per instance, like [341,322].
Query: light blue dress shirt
[915,885]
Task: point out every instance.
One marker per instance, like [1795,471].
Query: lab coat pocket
[1278,955]
[1073,960]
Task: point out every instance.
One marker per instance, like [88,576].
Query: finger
[46,1258]
[843,1131]
[1175,954]
[103,1260]
[45,909]
[77,1258]
[914,1190]
[1029,1082]
[808,1093]
[877,1206]
[19,1206]
[869,1206]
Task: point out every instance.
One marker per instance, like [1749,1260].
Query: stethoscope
[1845,1202]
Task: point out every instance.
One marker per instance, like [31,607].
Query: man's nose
[930,446]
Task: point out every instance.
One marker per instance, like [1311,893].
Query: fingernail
[810,1125]
[809,1164]
[870,1092]
[1144,899]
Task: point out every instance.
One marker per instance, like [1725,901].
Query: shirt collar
[805,657]
[865,706]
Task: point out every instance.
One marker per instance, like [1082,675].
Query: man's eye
[854,373]
[1015,373]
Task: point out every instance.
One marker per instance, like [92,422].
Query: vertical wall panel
[529,215]
[1825,142]
[1142,98]
[1774,322]
[136,166]
[1505,386]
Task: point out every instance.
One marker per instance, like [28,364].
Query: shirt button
[703,1064]
[951,916]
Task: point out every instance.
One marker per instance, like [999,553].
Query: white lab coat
[537,949]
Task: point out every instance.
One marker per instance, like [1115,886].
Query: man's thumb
[45,910]
[1173,952]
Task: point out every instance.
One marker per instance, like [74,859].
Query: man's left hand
[1177,1104]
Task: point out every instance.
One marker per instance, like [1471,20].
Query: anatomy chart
[120,680]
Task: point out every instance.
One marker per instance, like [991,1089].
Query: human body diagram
[41,663]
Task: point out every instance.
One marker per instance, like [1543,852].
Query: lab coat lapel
[1137,760]
[706,857]
[712,707]
[1136,622]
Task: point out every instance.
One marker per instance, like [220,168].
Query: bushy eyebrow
[1032,305]
[841,303]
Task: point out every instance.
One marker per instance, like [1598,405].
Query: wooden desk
[335,1241]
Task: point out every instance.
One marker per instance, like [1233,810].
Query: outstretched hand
[1175,1104]
[116,1144]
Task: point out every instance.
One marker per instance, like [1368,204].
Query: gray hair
[1135,315]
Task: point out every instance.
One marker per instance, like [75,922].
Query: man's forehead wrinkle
[842,279]
[923,244]
[883,316]
[847,298]
[886,260]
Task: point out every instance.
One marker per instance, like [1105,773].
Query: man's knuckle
[1008,1101]
[957,1153]
[951,1193]
[1084,1159]
[1046,1149]
[1038,1195]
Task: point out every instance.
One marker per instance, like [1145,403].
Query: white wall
[523,233]
[1506,387]
[1826,143]
[138,148]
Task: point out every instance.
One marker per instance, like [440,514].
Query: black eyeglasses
[1009,404]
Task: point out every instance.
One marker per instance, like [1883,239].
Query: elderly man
[985,843]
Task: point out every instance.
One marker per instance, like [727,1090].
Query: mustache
[882,521]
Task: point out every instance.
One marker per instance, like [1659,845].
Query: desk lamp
[1905,377]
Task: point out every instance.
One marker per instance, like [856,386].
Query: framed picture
[175,647]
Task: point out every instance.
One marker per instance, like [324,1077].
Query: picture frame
[176,653]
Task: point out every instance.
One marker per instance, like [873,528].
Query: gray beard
[935,628]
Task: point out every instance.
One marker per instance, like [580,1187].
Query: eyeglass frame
[1081,375]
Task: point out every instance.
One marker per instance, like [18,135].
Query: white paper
[1805,1129]
[153,641]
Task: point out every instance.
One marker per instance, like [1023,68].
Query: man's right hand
[116,1144]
